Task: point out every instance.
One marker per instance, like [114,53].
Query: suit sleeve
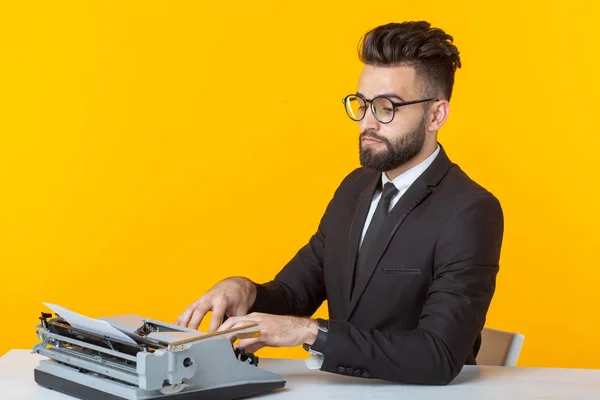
[466,263]
[299,288]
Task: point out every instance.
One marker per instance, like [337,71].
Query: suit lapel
[358,221]
[413,196]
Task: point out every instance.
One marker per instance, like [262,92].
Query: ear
[438,113]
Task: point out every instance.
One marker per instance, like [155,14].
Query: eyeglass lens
[356,107]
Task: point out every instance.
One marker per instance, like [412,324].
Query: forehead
[375,80]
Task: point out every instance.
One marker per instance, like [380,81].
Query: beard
[398,151]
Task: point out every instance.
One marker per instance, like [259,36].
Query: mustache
[373,135]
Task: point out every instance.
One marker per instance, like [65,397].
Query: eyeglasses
[382,107]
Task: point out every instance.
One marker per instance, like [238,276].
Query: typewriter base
[84,392]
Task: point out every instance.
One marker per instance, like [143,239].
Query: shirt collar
[405,179]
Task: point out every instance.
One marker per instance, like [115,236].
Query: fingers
[217,315]
[230,323]
[227,296]
[198,314]
[184,318]
[195,313]
[254,318]
[245,328]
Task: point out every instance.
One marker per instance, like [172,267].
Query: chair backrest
[499,347]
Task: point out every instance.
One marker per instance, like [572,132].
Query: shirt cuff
[314,361]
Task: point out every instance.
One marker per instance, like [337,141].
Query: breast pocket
[401,271]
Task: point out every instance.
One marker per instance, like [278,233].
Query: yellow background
[149,149]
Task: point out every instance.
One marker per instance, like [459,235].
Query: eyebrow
[384,94]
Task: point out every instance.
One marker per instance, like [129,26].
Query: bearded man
[408,249]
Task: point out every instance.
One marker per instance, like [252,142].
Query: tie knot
[389,190]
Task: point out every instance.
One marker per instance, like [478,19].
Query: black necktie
[389,190]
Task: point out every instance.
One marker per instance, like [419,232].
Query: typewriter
[131,357]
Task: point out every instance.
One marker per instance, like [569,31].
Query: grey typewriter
[141,358]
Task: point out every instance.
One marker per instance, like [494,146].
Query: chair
[499,347]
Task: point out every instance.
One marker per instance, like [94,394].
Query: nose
[369,121]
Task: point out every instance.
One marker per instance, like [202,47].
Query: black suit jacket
[418,310]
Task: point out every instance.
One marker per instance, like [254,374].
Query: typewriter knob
[249,358]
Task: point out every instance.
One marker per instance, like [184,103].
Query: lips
[370,141]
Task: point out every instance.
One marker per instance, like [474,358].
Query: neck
[425,152]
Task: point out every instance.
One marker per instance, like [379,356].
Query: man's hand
[275,331]
[231,297]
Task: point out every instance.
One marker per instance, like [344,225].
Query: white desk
[16,383]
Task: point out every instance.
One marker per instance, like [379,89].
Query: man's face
[384,147]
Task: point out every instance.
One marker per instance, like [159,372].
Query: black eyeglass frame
[394,105]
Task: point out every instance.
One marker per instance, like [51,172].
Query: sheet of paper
[84,323]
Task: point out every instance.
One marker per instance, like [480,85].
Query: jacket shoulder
[463,188]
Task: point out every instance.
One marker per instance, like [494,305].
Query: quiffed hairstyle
[429,50]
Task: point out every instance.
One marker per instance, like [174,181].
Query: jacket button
[349,371]
[341,369]
[357,372]
[366,374]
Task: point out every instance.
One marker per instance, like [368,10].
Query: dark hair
[429,50]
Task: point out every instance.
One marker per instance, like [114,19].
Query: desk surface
[474,382]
